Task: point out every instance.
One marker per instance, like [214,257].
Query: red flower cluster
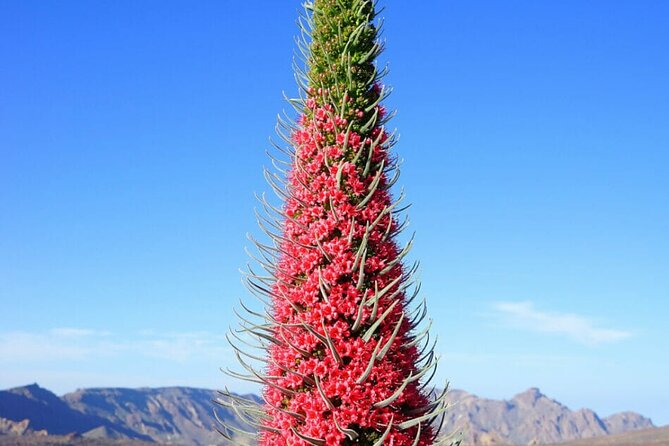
[339,303]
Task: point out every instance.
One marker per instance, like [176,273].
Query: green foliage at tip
[342,56]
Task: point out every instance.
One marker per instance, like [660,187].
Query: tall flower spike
[346,355]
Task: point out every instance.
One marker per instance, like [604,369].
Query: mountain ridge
[45,411]
[181,415]
[530,417]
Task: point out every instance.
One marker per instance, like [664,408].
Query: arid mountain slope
[179,415]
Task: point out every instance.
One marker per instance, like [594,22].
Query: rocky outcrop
[625,422]
[9,427]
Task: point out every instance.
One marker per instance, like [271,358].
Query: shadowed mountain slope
[178,415]
[45,411]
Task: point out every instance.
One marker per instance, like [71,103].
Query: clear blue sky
[536,144]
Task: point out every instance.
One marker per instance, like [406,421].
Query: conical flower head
[346,363]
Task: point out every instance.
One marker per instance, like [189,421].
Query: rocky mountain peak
[530,395]
[626,421]
[36,393]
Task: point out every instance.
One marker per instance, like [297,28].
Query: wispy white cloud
[20,346]
[81,343]
[524,315]
[181,347]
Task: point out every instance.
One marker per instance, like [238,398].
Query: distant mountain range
[171,415]
[184,416]
[531,418]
